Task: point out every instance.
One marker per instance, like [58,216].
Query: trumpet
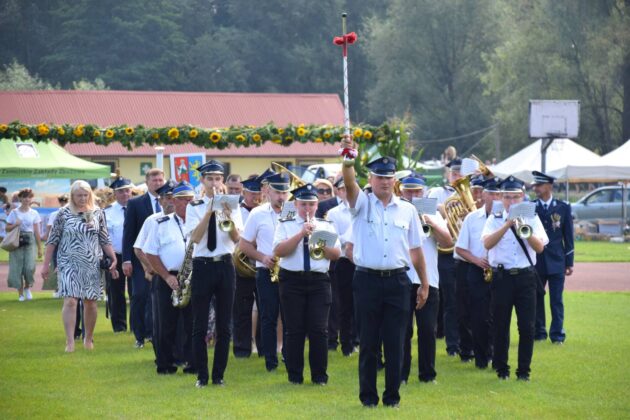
[426,228]
[315,249]
[523,230]
[225,223]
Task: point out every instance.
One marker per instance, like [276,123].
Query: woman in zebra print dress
[80,236]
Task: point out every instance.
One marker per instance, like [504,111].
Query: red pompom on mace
[343,41]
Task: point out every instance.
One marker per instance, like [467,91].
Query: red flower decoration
[349,38]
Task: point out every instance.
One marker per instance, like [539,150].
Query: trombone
[225,223]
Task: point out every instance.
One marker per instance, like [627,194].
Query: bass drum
[243,265]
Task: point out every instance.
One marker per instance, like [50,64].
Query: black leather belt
[513,271]
[302,273]
[173,272]
[218,258]
[382,273]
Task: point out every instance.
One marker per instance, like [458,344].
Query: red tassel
[338,40]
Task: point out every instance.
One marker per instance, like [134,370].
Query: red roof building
[159,109]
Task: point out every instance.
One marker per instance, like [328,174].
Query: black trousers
[244,297]
[116,301]
[333,316]
[480,316]
[269,309]
[344,273]
[426,322]
[448,299]
[306,300]
[141,315]
[518,292]
[211,278]
[463,310]
[168,320]
[382,303]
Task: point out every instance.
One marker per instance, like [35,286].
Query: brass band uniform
[165,248]
[514,279]
[212,273]
[470,247]
[387,239]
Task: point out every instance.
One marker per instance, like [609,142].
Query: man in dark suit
[556,261]
[138,209]
[322,209]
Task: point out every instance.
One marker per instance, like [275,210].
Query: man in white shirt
[115,288]
[213,272]
[256,242]
[471,249]
[514,280]
[387,241]
[305,292]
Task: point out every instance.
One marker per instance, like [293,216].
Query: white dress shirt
[166,239]
[383,236]
[441,193]
[194,213]
[341,219]
[470,233]
[430,251]
[115,216]
[145,229]
[295,260]
[260,228]
[508,251]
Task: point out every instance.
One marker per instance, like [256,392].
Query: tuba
[296,181]
[456,207]
[243,265]
[181,296]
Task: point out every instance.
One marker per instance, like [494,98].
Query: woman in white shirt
[22,260]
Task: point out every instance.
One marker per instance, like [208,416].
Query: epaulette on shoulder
[404,199]
[163,219]
[196,202]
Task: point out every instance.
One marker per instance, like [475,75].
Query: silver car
[602,203]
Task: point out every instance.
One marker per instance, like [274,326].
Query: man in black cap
[514,281]
[305,291]
[387,241]
[556,260]
[115,288]
[213,272]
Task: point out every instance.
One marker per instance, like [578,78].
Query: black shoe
[139,344]
[524,378]
[369,405]
[201,384]
[270,367]
[481,366]
[332,347]
[218,382]
[190,369]
[466,359]
[427,380]
[558,342]
[320,383]
[503,376]
[392,405]
[451,353]
[170,370]
[241,355]
[540,338]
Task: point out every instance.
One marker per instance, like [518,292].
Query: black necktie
[212,232]
[158,208]
[545,206]
[307,257]
[124,210]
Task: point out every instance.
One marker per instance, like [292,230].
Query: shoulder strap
[522,244]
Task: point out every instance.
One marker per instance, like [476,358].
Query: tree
[17,77]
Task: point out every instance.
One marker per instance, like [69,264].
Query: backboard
[554,119]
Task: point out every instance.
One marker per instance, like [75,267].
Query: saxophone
[181,296]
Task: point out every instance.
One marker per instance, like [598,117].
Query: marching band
[392,258]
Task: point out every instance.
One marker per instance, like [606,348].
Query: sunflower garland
[220,138]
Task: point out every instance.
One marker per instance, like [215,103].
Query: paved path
[605,277]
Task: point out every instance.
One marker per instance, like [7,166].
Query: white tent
[561,154]
[610,167]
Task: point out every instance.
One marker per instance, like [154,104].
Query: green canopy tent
[42,160]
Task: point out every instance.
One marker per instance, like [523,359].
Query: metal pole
[543,153]
[346,100]
[159,157]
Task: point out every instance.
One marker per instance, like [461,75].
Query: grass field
[585,378]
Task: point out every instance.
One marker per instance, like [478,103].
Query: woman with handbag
[22,259]
[80,237]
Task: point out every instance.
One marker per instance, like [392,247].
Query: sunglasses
[324,191]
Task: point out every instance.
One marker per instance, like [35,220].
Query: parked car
[602,203]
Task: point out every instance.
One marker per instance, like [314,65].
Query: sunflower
[109,134]
[79,130]
[193,134]
[215,137]
[155,136]
[357,133]
[327,135]
[173,133]
[277,140]
[256,137]
[318,140]
[42,129]
[3,128]
[240,138]
[96,133]
[301,131]
[129,131]
[280,130]
[367,134]
[23,131]
[61,131]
